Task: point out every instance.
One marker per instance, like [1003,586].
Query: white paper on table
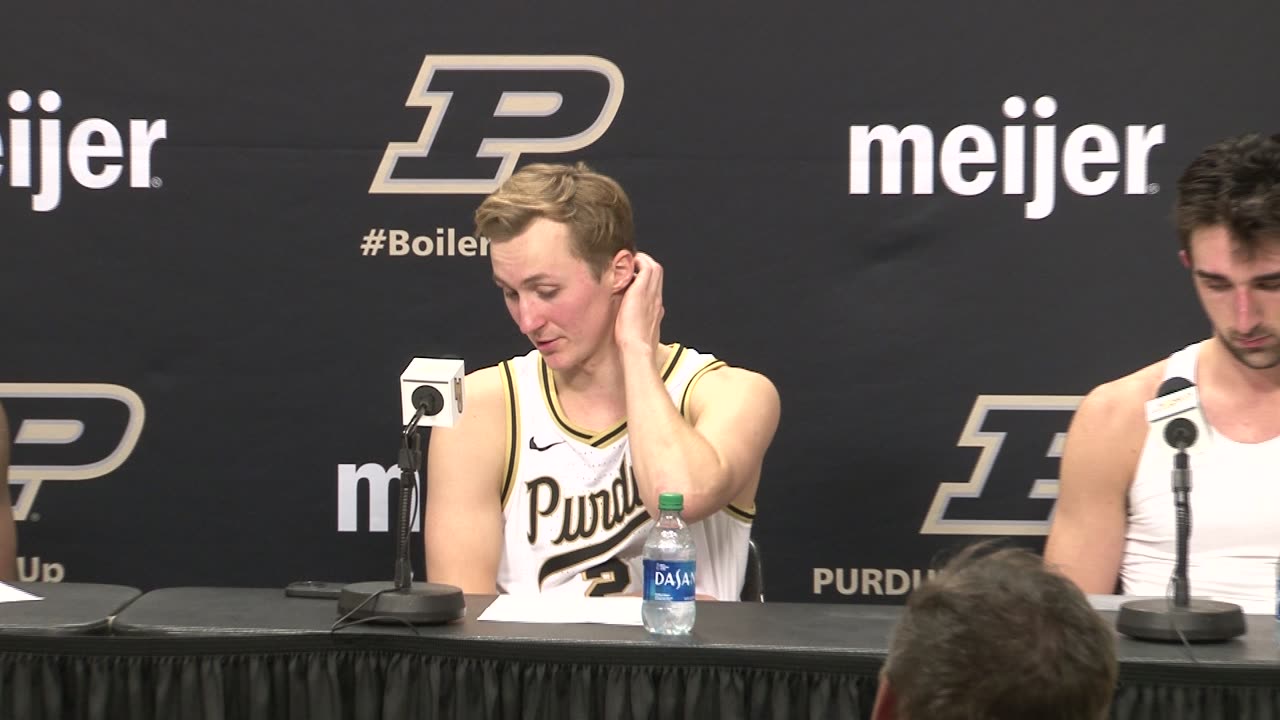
[9,593]
[563,609]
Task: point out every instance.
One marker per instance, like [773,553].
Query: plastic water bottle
[669,570]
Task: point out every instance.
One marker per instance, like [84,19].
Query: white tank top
[1235,515]
[573,519]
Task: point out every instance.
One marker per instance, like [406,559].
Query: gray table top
[756,634]
[65,608]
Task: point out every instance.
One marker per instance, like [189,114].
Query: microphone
[427,399]
[423,386]
[1180,433]
[1176,415]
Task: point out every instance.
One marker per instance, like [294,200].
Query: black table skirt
[342,684]
[206,683]
[214,653]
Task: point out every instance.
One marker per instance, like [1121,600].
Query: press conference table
[253,653]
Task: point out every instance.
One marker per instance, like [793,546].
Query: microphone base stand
[1181,617]
[1199,621]
[403,600]
[421,603]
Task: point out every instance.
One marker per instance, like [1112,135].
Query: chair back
[753,583]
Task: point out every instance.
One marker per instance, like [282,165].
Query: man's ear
[621,271]
[1185,257]
[886,707]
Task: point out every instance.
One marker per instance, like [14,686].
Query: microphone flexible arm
[410,463]
[1182,508]
[403,600]
[1181,434]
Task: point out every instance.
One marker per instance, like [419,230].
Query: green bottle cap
[670,501]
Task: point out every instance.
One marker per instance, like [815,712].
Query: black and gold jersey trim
[553,404]
[741,514]
[594,439]
[512,456]
[688,389]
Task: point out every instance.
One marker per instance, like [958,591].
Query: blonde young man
[550,481]
[1115,517]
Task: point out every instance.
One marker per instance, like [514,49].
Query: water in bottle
[669,571]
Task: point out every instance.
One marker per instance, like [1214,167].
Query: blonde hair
[593,206]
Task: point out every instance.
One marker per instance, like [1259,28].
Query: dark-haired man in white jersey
[1114,518]
[548,481]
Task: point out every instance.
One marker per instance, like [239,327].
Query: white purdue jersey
[573,519]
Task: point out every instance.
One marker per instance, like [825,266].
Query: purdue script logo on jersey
[615,512]
[1014,483]
[68,431]
[484,111]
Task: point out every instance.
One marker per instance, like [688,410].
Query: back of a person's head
[998,636]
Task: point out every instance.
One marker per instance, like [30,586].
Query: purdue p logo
[68,431]
[484,111]
[1014,483]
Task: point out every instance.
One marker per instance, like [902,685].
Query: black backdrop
[928,347]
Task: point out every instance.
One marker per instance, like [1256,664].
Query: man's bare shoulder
[484,397]
[1106,436]
[1123,400]
[729,379]
[474,445]
[739,386]
[485,384]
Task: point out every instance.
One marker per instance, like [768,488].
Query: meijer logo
[548,109]
[1091,158]
[381,482]
[40,411]
[94,151]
